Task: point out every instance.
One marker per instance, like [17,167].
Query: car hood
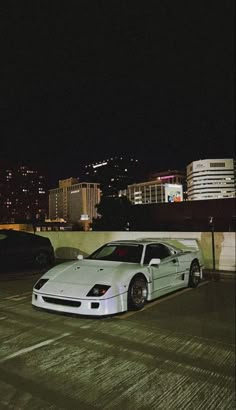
[77,278]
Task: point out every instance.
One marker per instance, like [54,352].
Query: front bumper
[89,307]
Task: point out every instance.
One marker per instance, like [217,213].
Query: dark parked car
[20,249]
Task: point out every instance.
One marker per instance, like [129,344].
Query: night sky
[83,81]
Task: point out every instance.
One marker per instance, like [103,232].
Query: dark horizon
[99,80]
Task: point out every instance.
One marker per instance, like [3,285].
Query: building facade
[73,201]
[23,194]
[211,179]
[153,192]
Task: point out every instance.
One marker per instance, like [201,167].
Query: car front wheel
[194,274]
[137,293]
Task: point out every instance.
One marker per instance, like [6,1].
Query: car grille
[62,302]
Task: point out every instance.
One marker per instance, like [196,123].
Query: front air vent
[63,302]
[94,305]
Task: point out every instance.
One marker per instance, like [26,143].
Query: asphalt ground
[176,353]
[219,275]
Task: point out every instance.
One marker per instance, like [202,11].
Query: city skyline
[144,173]
[24,191]
[155,82]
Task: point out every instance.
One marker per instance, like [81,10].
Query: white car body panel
[69,283]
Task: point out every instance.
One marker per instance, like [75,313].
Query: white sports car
[119,276]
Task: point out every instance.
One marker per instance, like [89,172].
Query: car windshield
[119,253]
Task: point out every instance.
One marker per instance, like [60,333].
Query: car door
[163,274]
[181,278]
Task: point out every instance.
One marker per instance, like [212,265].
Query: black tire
[194,274]
[137,293]
[42,260]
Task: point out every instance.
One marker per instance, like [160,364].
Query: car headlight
[98,290]
[40,283]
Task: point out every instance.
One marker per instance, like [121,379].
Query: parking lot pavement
[176,353]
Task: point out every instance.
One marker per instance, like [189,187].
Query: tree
[115,213]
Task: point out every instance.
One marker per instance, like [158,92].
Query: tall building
[153,192]
[162,186]
[73,201]
[113,174]
[211,179]
[23,194]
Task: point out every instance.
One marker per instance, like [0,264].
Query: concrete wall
[67,245]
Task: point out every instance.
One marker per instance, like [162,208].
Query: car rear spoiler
[190,244]
[181,243]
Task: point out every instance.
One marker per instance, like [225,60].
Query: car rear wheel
[194,274]
[42,260]
[137,293]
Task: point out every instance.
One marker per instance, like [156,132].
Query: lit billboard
[173,193]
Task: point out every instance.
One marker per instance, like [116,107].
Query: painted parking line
[12,297]
[19,296]
[158,301]
[31,348]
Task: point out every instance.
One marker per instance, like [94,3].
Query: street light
[211,225]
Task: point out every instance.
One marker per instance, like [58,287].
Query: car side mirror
[154,261]
[80,257]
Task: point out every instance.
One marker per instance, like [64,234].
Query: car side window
[156,251]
